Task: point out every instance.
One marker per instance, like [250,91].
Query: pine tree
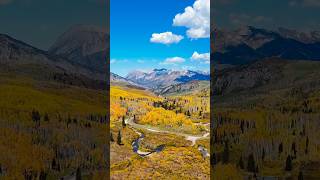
[288,163]
[78,174]
[225,155]
[307,145]
[123,122]
[43,175]
[300,177]
[241,164]
[251,163]
[46,117]
[188,113]
[111,137]
[119,138]
[213,159]
[293,148]
[35,115]
[280,148]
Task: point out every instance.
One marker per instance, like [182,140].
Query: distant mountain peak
[87,45]
[158,78]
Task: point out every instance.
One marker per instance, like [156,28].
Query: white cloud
[205,57]
[165,38]
[196,19]
[173,60]
[112,61]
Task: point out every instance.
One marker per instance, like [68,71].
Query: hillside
[189,88]
[266,114]
[53,116]
[265,75]
[19,58]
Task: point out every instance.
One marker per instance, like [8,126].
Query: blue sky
[132,24]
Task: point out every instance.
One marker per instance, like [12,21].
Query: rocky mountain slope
[184,88]
[121,81]
[160,78]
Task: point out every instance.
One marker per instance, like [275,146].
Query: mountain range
[78,57]
[248,44]
[160,78]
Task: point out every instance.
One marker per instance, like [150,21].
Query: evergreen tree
[225,155]
[35,115]
[123,122]
[43,175]
[78,174]
[188,113]
[288,163]
[251,163]
[111,137]
[293,148]
[307,145]
[280,148]
[300,177]
[119,138]
[46,117]
[214,159]
[241,164]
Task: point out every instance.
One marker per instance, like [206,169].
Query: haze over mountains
[247,44]
[77,57]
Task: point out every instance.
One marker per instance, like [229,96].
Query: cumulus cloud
[205,57]
[173,60]
[196,19]
[165,38]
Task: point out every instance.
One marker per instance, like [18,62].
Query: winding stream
[136,143]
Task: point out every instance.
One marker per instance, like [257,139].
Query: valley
[158,136]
